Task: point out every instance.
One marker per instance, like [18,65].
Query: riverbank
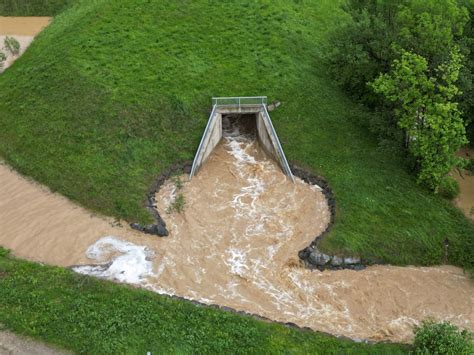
[379,303]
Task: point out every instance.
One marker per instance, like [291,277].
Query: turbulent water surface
[236,244]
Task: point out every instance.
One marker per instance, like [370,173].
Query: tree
[431,28]
[360,47]
[427,112]
[375,33]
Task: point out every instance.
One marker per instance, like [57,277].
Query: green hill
[114,92]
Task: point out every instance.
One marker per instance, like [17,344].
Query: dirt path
[24,30]
[235,245]
[11,344]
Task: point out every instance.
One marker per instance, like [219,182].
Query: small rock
[273,105]
[156,229]
[136,226]
[304,254]
[351,261]
[336,261]
[319,259]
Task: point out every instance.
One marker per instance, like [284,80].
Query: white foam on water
[245,203]
[133,265]
[169,195]
[237,261]
[238,149]
[259,218]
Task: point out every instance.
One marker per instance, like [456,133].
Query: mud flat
[23,29]
[235,244]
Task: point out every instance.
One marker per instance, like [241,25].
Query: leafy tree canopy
[427,112]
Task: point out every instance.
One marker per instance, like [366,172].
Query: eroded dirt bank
[236,245]
[24,30]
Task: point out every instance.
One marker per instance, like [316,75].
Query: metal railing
[246,101]
[284,162]
[239,101]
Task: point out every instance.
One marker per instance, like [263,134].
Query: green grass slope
[112,93]
[32,7]
[91,316]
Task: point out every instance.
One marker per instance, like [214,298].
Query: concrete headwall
[270,142]
[210,139]
[215,135]
[265,132]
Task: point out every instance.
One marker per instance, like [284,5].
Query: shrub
[470,165]
[442,338]
[449,188]
[3,58]
[12,45]
[4,252]
[178,183]
[177,205]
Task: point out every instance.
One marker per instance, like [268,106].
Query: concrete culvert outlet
[253,116]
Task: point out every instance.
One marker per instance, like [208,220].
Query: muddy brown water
[23,26]
[24,30]
[235,245]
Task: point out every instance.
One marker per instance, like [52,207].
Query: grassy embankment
[112,93]
[87,315]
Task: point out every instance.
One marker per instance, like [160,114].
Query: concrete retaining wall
[214,137]
[269,140]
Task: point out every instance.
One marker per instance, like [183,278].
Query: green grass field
[112,93]
[87,315]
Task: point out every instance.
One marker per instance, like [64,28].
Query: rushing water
[235,244]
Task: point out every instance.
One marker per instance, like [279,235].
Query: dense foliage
[90,316]
[427,112]
[376,38]
[442,338]
[3,58]
[112,93]
[32,7]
